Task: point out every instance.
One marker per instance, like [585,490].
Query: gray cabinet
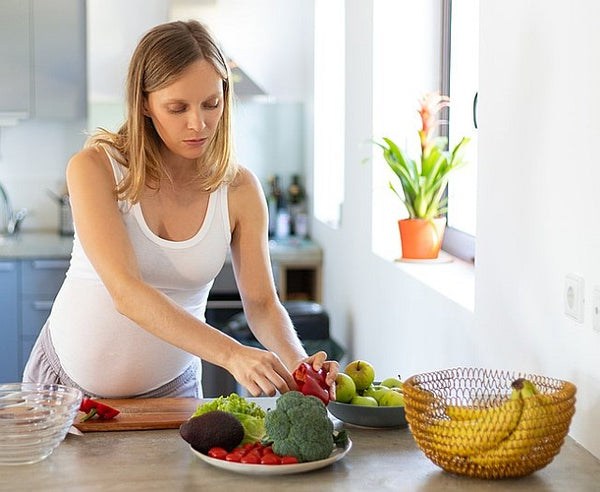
[59,47]
[27,290]
[9,322]
[15,58]
[40,282]
[43,59]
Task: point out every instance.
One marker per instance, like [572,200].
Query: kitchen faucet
[9,221]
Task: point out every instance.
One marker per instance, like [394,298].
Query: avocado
[214,428]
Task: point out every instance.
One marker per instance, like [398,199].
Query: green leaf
[424,182]
[458,153]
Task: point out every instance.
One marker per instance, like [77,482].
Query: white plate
[248,469]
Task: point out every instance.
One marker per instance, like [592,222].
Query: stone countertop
[45,244]
[26,245]
[380,459]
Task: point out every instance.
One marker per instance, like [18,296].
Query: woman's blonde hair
[161,56]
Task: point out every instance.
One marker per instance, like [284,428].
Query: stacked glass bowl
[34,420]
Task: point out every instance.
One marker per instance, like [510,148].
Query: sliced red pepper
[311,382]
[93,407]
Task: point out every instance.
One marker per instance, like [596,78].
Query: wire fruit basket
[466,422]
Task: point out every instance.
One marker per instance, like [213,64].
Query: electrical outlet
[596,308]
[574,302]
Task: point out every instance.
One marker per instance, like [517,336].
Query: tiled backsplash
[33,159]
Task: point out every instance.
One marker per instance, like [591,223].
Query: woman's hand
[318,361]
[260,371]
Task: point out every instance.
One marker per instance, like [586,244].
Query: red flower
[431,104]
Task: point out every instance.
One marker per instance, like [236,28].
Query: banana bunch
[529,429]
[482,433]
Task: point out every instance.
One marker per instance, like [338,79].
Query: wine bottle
[274,203]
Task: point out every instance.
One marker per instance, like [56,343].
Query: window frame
[456,242]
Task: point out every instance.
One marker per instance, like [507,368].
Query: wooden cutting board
[142,414]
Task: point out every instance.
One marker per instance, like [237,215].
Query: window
[460,67]
[329,110]
[406,64]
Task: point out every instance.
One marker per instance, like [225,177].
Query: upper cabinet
[15,58]
[43,59]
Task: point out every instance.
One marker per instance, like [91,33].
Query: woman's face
[187,112]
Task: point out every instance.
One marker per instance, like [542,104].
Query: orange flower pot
[420,238]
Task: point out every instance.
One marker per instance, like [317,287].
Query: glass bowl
[34,420]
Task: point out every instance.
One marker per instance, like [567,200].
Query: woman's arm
[106,243]
[267,318]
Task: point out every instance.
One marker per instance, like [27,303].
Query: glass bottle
[274,199]
[297,201]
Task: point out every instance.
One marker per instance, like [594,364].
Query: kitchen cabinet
[43,59]
[40,282]
[27,290]
[297,269]
[15,57]
[9,332]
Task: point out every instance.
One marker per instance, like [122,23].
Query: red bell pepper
[311,382]
[93,407]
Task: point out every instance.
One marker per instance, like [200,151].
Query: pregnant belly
[105,352]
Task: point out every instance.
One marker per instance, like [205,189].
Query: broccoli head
[299,426]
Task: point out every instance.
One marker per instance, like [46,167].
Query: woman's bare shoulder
[246,198]
[245,181]
[94,155]
[89,160]
[90,165]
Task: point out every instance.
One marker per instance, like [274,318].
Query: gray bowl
[366,416]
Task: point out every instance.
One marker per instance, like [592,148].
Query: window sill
[450,276]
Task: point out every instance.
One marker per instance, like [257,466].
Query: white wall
[267,38]
[536,212]
[537,208]
[378,312]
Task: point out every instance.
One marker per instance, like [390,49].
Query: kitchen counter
[35,245]
[386,459]
[46,244]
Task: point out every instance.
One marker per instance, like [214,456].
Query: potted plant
[424,181]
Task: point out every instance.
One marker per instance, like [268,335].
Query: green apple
[362,373]
[376,391]
[367,401]
[345,389]
[392,398]
[392,382]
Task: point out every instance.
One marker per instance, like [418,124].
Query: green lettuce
[251,415]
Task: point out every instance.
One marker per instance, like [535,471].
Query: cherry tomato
[250,458]
[233,456]
[270,459]
[255,452]
[289,460]
[267,450]
[218,453]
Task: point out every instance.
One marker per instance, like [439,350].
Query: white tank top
[105,352]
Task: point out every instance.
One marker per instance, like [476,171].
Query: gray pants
[44,366]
